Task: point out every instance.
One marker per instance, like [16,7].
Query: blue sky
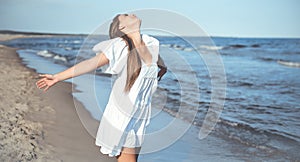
[234,18]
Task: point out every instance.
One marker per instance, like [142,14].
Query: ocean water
[262,104]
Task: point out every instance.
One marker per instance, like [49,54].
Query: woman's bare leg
[129,154]
[137,151]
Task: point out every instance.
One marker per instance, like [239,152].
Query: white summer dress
[126,115]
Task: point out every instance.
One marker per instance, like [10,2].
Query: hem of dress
[108,151]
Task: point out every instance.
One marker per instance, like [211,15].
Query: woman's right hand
[46,82]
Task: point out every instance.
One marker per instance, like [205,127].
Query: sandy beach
[39,126]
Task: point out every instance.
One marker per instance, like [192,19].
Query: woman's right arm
[81,68]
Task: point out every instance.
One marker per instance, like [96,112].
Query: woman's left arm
[162,66]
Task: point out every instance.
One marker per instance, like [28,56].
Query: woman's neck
[136,38]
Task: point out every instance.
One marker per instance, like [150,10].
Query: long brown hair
[134,60]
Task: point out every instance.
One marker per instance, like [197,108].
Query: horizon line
[4,31]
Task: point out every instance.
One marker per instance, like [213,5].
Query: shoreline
[7,37]
[59,132]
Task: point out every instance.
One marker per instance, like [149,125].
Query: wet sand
[39,126]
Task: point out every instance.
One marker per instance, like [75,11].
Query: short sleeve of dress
[153,47]
[113,50]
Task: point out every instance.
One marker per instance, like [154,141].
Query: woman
[134,58]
